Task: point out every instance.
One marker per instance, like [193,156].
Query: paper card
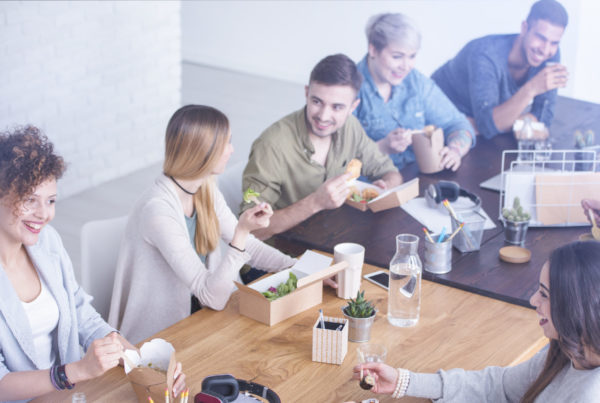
[559,196]
[435,219]
[310,262]
[521,185]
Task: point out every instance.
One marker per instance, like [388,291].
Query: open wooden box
[308,293]
[387,199]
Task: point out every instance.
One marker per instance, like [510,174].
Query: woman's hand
[385,376]
[450,158]
[102,355]
[396,141]
[256,217]
[593,206]
[179,384]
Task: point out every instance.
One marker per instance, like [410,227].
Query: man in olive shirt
[298,164]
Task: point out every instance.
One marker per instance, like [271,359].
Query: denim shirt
[477,80]
[414,103]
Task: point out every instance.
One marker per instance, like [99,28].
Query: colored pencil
[428,235]
[442,235]
[462,224]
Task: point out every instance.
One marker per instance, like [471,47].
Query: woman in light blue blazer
[45,316]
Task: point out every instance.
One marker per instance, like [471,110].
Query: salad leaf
[251,196]
[282,289]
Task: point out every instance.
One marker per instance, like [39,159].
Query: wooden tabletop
[456,329]
[480,272]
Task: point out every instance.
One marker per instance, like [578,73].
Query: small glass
[78,397]
[543,150]
[371,352]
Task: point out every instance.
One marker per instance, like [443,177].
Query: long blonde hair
[194,142]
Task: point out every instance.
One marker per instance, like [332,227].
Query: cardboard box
[390,198]
[311,270]
[427,147]
[330,345]
[153,371]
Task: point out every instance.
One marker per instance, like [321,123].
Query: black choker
[181,187]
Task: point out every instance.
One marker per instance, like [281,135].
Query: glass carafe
[404,300]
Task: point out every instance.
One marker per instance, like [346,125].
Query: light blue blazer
[79,324]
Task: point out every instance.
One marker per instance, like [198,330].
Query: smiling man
[494,79]
[298,163]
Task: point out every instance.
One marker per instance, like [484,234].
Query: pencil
[150,399]
[462,224]
[450,209]
[429,238]
[441,235]
[167,395]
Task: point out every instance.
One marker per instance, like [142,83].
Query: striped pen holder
[330,345]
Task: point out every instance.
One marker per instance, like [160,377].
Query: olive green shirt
[280,165]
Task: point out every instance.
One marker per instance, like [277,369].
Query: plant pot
[360,328]
[515,231]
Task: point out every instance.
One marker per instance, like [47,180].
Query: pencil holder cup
[468,239]
[438,256]
[330,345]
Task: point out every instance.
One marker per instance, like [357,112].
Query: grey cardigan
[507,384]
[78,325]
[158,268]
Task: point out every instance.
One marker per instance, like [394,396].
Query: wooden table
[479,272]
[456,329]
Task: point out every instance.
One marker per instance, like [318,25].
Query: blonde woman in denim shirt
[396,99]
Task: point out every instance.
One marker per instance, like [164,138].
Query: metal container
[437,256]
[515,231]
[359,330]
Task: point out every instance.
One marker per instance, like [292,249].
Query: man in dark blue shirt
[494,79]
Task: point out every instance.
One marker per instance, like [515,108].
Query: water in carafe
[404,299]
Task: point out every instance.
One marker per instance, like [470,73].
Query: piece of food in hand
[353,168]
[282,289]
[251,196]
[367,382]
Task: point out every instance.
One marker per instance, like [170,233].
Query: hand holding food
[383,376]
[396,141]
[332,193]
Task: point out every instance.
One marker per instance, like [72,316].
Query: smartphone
[380,277]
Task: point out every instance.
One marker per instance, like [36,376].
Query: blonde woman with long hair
[170,253]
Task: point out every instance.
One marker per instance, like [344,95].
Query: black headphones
[225,389]
[438,192]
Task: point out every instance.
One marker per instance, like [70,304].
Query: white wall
[285,39]
[100,78]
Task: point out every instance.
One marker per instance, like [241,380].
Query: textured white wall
[101,78]
[285,39]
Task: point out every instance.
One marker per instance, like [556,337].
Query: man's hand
[591,206]
[549,78]
[332,193]
[396,141]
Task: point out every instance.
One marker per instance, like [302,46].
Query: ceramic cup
[348,280]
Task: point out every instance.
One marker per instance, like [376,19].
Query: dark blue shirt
[413,104]
[477,80]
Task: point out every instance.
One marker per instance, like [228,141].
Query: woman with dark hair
[568,304]
[170,255]
[45,316]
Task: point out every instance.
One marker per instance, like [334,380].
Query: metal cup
[438,256]
[515,231]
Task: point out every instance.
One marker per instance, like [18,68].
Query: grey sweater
[507,384]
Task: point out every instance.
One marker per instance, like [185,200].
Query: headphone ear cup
[438,193]
[448,190]
[209,396]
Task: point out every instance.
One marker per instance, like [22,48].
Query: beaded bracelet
[62,375]
[402,383]
[236,248]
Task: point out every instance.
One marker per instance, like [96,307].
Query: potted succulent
[516,222]
[360,314]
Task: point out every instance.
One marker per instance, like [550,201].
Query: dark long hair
[574,308]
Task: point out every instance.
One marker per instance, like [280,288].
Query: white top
[507,384]
[158,267]
[42,313]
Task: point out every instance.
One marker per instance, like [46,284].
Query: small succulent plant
[359,307]
[516,213]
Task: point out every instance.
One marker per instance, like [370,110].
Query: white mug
[349,279]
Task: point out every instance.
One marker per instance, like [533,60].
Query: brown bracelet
[236,248]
